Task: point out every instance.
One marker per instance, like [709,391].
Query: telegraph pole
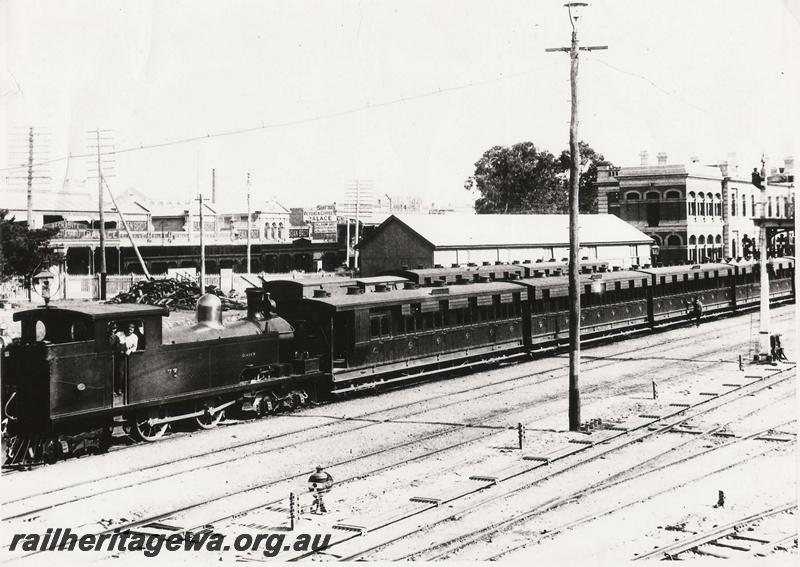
[101,208]
[249,222]
[202,247]
[30,178]
[763,327]
[574,9]
[358,203]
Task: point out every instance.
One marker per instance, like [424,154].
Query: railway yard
[435,470]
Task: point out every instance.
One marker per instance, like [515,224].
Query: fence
[69,287]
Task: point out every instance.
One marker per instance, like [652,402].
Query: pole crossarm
[568,49]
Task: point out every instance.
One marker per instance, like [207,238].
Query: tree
[523,179]
[587,186]
[23,251]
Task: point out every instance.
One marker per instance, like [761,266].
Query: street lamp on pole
[575,10]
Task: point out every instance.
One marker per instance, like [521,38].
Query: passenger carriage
[609,301]
[393,334]
[748,276]
[674,288]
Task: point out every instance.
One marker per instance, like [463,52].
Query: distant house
[427,240]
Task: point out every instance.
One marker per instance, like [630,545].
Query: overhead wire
[287,123]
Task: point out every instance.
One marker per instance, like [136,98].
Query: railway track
[370,418]
[562,464]
[637,470]
[626,476]
[453,427]
[729,541]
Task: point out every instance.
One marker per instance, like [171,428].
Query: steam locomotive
[307,339]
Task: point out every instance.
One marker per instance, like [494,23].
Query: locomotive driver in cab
[131,341]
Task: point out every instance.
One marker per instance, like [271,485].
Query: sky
[308,95]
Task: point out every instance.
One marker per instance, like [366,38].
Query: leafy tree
[23,251]
[523,179]
[587,186]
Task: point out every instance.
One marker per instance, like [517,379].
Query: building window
[752,205]
[744,205]
[701,201]
[673,195]
[733,203]
[653,195]
[769,206]
[692,204]
[718,205]
[674,240]
[632,196]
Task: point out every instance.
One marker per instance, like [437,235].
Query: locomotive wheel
[147,432]
[51,452]
[209,420]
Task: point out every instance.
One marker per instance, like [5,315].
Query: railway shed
[420,241]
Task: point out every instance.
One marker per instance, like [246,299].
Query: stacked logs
[172,294]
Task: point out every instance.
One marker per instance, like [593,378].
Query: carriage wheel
[209,420]
[145,431]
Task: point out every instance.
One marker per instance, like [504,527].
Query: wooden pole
[763,327]
[574,240]
[249,222]
[101,206]
[574,247]
[202,248]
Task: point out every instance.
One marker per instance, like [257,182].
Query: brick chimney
[662,158]
[643,156]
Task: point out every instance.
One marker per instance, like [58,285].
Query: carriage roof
[405,296]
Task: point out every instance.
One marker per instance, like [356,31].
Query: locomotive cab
[62,364]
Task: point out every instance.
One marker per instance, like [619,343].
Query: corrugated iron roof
[423,294]
[472,231]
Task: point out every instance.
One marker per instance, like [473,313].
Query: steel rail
[677,418]
[613,480]
[673,549]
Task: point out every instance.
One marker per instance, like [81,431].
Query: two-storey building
[693,212]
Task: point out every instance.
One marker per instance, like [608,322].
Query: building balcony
[119,237]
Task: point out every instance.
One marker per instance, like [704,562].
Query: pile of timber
[173,294]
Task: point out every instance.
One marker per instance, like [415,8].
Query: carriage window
[379,325]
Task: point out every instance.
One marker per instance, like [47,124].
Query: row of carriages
[420,320]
